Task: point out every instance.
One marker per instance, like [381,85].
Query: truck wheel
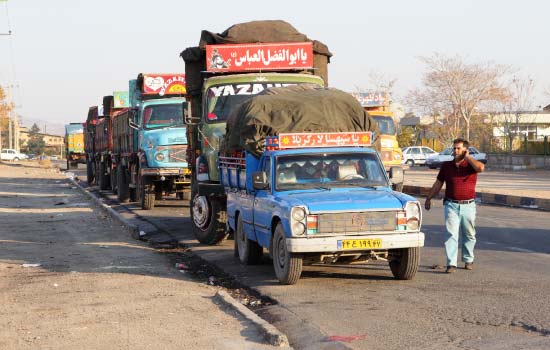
[123,191]
[89,173]
[103,179]
[250,252]
[209,219]
[288,266]
[405,263]
[114,180]
[147,196]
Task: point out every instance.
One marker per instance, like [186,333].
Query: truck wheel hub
[201,211]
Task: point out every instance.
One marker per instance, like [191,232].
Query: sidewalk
[70,277]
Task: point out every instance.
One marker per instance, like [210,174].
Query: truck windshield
[326,170]
[222,99]
[163,116]
[385,124]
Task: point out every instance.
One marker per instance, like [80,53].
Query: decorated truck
[89,142]
[103,145]
[314,197]
[74,145]
[222,72]
[150,142]
[377,104]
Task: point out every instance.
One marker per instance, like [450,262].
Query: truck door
[263,207]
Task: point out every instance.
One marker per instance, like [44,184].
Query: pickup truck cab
[320,205]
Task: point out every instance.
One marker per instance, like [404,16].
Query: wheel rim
[201,211]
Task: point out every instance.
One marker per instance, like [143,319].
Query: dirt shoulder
[89,285]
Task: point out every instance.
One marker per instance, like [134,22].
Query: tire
[287,266]
[123,191]
[405,264]
[209,219]
[15,159]
[432,167]
[68,164]
[90,172]
[249,252]
[103,179]
[147,196]
[410,162]
[114,180]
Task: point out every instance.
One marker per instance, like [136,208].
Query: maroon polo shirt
[460,182]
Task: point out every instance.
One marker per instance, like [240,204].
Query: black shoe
[469,266]
[450,269]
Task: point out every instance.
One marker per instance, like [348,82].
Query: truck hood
[165,136]
[356,199]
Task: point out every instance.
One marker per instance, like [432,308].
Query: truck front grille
[177,153]
[371,221]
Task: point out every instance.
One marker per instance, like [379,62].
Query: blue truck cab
[319,205]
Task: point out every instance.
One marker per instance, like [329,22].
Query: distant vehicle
[434,161]
[53,157]
[31,156]
[11,154]
[416,155]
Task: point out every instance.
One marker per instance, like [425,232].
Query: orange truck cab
[377,105]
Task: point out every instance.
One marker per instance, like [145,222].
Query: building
[54,144]
[533,126]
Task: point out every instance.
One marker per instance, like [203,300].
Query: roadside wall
[517,161]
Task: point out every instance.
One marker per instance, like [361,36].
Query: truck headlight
[159,156]
[298,213]
[298,228]
[413,215]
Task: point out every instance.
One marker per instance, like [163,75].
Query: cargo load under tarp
[298,108]
[273,31]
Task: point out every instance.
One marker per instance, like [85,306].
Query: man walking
[460,177]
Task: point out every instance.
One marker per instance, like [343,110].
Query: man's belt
[466,201]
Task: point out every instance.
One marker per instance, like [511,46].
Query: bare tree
[513,109]
[455,89]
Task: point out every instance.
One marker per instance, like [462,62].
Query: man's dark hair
[464,142]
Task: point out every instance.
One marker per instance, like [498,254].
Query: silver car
[416,155]
[434,161]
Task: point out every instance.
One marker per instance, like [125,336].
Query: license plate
[347,244]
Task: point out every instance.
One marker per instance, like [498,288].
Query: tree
[5,110]
[519,100]
[454,89]
[36,144]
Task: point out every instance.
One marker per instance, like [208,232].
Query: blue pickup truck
[319,198]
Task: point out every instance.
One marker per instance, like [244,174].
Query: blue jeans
[460,218]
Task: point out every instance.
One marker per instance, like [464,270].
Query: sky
[64,55]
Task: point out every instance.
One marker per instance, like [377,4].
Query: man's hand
[428,204]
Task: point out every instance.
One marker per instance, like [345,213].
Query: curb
[491,198]
[271,334]
[133,230]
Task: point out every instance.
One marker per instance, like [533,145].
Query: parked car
[31,156]
[53,157]
[416,155]
[435,160]
[11,154]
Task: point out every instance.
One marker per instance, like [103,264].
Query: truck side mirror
[259,180]
[396,175]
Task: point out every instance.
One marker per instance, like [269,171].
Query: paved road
[502,304]
[529,183]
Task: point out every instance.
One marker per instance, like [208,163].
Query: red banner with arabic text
[326,139]
[257,57]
